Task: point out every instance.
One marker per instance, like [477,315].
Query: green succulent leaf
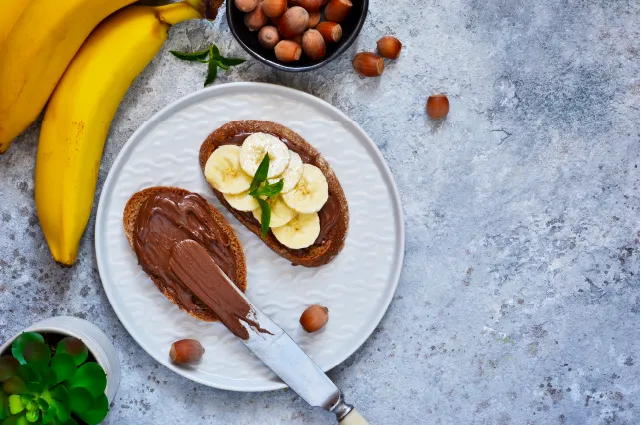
[37,353]
[202,54]
[26,398]
[16,420]
[98,411]
[70,421]
[63,366]
[80,400]
[14,385]
[42,404]
[49,415]
[35,387]
[4,405]
[47,377]
[90,376]
[75,348]
[28,373]
[62,412]
[8,367]
[33,415]
[15,405]
[18,346]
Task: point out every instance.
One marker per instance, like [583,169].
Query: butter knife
[193,265]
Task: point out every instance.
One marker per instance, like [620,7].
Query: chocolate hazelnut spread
[169,218]
[328,215]
[197,270]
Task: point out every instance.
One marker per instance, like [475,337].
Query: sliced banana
[281,213]
[223,171]
[254,149]
[300,232]
[311,192]
[292,173]
[242,201]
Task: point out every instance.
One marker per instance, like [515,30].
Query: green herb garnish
[214,62]
[262,190]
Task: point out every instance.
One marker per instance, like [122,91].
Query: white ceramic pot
[95,340]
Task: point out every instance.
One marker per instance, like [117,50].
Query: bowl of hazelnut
[296,35]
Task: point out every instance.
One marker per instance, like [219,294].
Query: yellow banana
[80,112]
[35,54]
[11,12]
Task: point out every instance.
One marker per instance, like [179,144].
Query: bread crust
[316,255]
[129,221]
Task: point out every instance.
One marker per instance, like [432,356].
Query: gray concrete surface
[519,298]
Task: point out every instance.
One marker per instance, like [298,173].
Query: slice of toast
[202,312]
[318,254]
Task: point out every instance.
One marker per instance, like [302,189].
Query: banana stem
[177,12]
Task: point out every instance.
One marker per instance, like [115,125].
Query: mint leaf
[212,69]
[260,176]
[220,64]
[194,56]
[269,190]
[265,216]
[214,52]
[231,61]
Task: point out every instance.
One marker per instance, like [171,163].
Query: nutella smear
[193,265]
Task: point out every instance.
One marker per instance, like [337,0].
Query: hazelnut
[274,8]
[246,5]
[437,106]
[314,45]
[268,37]
[287,51]
[275,20]
[186,351]
[331,31]
[389,47]
[337,10]
[256,19]
[314,318]
[310,5]
[293,22]
[314,19]
[368,64]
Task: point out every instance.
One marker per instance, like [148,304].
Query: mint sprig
[262,190]
[214,62]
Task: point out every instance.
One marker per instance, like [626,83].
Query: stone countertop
[519,297]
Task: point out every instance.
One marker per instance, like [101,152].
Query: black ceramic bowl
[249,39]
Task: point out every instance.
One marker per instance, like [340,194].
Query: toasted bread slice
[317,254]
[202,312]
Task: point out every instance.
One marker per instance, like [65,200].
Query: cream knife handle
[354,418]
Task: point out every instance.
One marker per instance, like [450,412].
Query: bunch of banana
[44,37]
[81,109]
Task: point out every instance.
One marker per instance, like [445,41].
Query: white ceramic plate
[357,286]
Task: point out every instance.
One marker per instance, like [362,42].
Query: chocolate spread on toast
[169,218]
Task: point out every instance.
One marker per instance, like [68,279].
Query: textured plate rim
[213,92]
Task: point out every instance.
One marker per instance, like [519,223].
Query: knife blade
[193,265]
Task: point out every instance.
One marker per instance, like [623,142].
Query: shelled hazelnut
[268,37]
[337,10]
[389,47]
[314,45]
[438,106]
[331,31]
[314,318]
[368,64]
[274,8]
[293,22]
[287,51]
[256,19]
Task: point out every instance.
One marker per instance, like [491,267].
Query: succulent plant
[51,386]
